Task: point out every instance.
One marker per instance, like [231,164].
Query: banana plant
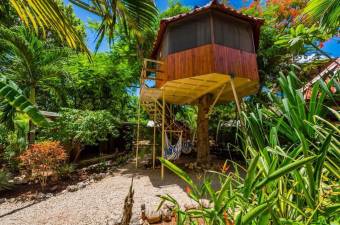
[12,95]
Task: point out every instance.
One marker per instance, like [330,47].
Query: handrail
[146,69]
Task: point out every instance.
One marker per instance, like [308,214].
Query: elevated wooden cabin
[201,50]
[203,57]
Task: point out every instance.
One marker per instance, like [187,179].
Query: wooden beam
[189,84]
[153,61]
[215,101]
[203,80]
[217,85]
[235,96]
[137,138]
[154,138]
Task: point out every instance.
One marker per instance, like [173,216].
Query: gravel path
[98,203]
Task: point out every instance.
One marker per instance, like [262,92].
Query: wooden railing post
[154,137]
[163,131]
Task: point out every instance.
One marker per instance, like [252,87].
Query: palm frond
[327,12]
[134,16]
[42,14]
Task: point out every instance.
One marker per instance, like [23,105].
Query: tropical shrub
[15,145]
[65,170]
[42,160]
[3,137]
[76,128]
[4,184]
[292,175]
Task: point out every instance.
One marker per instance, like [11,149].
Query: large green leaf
[285,170]
[183,175]
[21,103]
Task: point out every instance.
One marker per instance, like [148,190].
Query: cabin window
[233,33]
[189,34]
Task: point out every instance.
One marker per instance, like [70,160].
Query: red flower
[187,190]
[225,167]
[321,45]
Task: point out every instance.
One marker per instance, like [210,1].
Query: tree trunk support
[202,129]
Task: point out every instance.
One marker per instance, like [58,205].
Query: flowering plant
[41,160]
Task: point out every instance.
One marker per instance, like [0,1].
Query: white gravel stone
[98,203]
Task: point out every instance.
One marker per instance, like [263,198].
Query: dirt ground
[100,202]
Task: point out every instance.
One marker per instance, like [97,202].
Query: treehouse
[204,57]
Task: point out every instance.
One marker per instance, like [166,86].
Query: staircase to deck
[150,99]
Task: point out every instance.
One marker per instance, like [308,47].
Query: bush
[42,160]
[3,135]
[76,128]
[65,170]
[4,184]
[14,146]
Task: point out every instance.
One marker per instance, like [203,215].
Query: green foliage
[12,95]
[133,16]
[292,120]
[32,63]
[102,84]
[292,168]
[65,170]
[4,184]
[82,127]
[326,12]
[3,135]
[301,39]
[174,8]
[49,16]
[14,146]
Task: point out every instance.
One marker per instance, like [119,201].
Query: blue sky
[332,46]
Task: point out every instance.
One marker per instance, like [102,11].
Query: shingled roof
[212,5]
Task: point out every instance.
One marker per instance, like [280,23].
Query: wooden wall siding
[208,59]
[162,75]
[234,61]
[190,63]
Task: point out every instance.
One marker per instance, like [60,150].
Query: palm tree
[326,12]
[135,15]
[30,62]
